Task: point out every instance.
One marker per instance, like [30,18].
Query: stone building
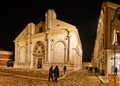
[50,42]
[107,55]
[5,56]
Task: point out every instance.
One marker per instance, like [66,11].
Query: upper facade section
[51,24]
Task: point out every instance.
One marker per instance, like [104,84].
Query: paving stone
[77,78]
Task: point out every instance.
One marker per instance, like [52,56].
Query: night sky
[15,15]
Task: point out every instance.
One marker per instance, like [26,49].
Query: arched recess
[59,52]
[38,54]
[22,55]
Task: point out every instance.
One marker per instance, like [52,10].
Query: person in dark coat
[64,69]
[50,73]
[115,70]
[56,74]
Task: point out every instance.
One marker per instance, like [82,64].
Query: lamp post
[115,55]
[115,44]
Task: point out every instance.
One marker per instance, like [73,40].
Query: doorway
[39,65]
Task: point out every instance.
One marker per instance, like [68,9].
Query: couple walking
[53,74]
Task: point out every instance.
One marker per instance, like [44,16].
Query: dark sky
[16,14]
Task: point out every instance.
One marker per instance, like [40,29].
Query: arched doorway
[38,53]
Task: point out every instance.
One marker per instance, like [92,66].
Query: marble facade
[52,42]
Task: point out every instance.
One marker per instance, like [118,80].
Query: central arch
[59,52]
[38,54]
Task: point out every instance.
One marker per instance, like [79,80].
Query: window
[118,16]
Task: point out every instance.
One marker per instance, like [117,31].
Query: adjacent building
[5,56]
[50,42]
[107,54]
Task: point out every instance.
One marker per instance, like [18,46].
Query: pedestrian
[56,74]
[115,70]
[64,69]
[50,73]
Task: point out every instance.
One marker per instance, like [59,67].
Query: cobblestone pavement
[78,78]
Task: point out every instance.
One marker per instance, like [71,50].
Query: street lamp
[115,55]
[116,42]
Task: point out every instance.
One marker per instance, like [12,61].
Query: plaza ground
[17,77]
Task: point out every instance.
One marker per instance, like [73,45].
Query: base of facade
[47,66]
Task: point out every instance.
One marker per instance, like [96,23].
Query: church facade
[52,42]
